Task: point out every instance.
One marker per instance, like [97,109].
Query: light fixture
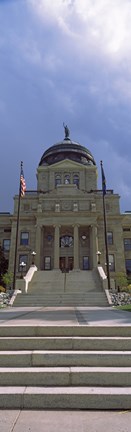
[33,257]
[22,265]
[83,237]
[98,253]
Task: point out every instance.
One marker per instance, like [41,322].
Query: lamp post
[106,268]
[98,253]
[22,265]
[33,258]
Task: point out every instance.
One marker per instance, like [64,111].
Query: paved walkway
[65,421]
[64,316]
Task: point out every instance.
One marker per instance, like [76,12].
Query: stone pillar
[56,247]
[38,247]
[93,246]
[76,248]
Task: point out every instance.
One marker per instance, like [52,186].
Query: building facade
[62,221]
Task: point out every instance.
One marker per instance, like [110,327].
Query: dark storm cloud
[59,63]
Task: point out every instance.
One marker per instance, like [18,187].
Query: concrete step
[56,304]
[65,358]
[61,330]
[44,289]
[66,376]
[65,367]
[65,299]
[46,304]
[56,288]
[105,398]
[51,275]
[63,343]
[67,295]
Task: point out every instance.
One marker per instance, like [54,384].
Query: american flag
[22,183]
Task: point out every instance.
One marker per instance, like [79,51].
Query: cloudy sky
[65,60]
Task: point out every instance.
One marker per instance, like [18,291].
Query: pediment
[66,164]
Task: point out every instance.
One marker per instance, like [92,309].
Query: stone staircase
[65,367]
[54,288]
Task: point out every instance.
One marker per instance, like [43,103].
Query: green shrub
[7,279]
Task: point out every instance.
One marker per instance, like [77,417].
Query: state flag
[103,180]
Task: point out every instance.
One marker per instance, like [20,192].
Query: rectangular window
[85,263]
[111,262]
[23,259]
[109,237]
[128,266]
[24,238]
[57,180]
[126,229]
[127,244]
[47,263]
[6,245]
[67,179]
[76,180]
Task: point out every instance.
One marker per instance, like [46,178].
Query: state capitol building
[62,221]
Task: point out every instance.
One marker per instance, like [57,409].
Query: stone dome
[67,149]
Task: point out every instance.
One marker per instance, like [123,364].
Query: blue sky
[65,60]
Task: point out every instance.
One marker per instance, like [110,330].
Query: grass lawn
[125,307]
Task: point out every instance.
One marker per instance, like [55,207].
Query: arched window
[57,180]
[66,241]
[67,179]
[76,180]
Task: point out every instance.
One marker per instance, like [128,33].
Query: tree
[121,280]
[3,265]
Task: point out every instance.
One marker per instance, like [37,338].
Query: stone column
[56,247]
[93,246]
[76,248]
[38,247]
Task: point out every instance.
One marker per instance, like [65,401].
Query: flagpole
[105,226]
[17,229]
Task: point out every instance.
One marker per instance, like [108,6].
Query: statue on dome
[67,131]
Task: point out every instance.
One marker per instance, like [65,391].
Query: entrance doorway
[66,263]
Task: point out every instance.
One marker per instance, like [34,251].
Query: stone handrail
[22,284]
[103,279]
[29,276]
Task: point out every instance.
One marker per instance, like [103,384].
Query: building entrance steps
[46,364]
[54,288]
